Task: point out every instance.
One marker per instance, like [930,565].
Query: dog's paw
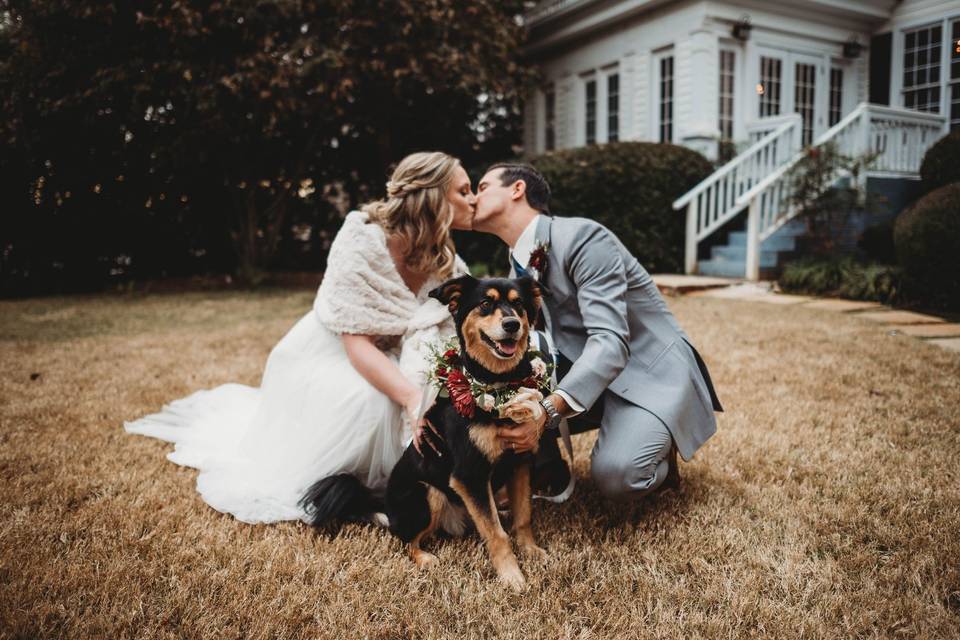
[513,578]
[534,552]
[425,560]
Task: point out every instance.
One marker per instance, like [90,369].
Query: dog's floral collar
[468,394]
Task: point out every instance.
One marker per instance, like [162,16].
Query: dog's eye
[518,304]
[486,304]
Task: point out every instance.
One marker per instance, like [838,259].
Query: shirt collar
[524,247]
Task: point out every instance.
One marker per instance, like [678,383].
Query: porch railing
[716,200]
[898,138]
[760,180]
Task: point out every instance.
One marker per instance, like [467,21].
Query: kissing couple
[343,391]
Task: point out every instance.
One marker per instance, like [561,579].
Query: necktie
[517,269]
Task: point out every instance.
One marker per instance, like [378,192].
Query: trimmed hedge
[628,187]
[940,164]
[927,239]
[842,277]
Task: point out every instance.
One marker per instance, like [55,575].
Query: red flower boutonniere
[538,259]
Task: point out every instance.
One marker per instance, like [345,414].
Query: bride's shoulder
[357,232]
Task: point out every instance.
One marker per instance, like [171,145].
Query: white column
[753,239]
[690,250]
[697,85]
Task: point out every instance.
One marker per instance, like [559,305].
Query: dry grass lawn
[827,505]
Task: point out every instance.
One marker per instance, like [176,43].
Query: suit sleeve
[597,270]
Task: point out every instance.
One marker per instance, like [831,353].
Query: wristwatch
[553,416]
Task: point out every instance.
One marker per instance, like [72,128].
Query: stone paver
[845,306]
[950,344]
[783,298]
[678,284]
[899,317]
[942,330]
[744,291]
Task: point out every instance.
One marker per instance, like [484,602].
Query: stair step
[721,268]
[739,254]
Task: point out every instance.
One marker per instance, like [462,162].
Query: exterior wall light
[852,48]
[741,30]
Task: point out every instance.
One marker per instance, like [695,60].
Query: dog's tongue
[507,347]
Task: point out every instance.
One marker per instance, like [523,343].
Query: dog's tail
[340,498]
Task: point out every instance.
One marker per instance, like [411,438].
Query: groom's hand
[523,437]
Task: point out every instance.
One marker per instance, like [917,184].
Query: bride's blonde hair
[417,211]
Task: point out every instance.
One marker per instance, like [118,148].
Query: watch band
[553,416]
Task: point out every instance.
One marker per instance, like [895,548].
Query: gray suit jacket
[608,318]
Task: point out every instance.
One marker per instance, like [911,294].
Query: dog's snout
[510,325]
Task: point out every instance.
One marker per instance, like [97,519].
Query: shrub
[940,166]
[876,242]
[927,239]
[842,277]
[629,188]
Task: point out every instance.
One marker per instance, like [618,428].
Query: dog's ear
[450,292]
[531,295]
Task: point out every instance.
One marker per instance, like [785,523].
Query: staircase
[729,260]
[758,181]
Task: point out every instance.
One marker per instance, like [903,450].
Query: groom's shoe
[552,478]
[672,480]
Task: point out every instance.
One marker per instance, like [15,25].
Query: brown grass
[827,505]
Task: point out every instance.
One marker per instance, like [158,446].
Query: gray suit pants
[629,459]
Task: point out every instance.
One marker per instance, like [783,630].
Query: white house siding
[696,32]
[630,48]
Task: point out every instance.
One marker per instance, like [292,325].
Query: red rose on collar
[459,388]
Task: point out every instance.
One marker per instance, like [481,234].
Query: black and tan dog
[494,318]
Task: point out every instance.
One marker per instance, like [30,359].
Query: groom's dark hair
[538,190]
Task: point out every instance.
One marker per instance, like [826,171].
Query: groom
[623,359]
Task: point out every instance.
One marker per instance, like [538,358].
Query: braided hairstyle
[417,211]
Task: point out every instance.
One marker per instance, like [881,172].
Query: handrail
[741,158]
[825,137]
[905,114]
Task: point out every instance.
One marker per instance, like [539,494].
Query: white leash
[563,427]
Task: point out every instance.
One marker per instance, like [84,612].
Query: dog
[457,475]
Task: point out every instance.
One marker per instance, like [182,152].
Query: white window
[613,107]
[921,68]
[591,110]
[550,117]
[727,60]
[600,95]
[836,95]
[804,85]
[769,88]
[664,93]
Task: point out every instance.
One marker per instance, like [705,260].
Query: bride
[342,388]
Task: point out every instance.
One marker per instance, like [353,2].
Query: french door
[789,82]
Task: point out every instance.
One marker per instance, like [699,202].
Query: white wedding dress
[313,415]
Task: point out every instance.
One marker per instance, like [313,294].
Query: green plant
[825,186]
[927,240]
[842,277]
[628,187]
[940,166]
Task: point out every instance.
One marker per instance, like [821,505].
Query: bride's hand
[412,408]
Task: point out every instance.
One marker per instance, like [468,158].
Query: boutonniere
[538,259]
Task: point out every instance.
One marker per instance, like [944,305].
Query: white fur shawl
[362,293]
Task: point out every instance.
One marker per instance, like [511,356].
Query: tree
[226,118]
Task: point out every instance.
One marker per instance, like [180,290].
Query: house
[749,82]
